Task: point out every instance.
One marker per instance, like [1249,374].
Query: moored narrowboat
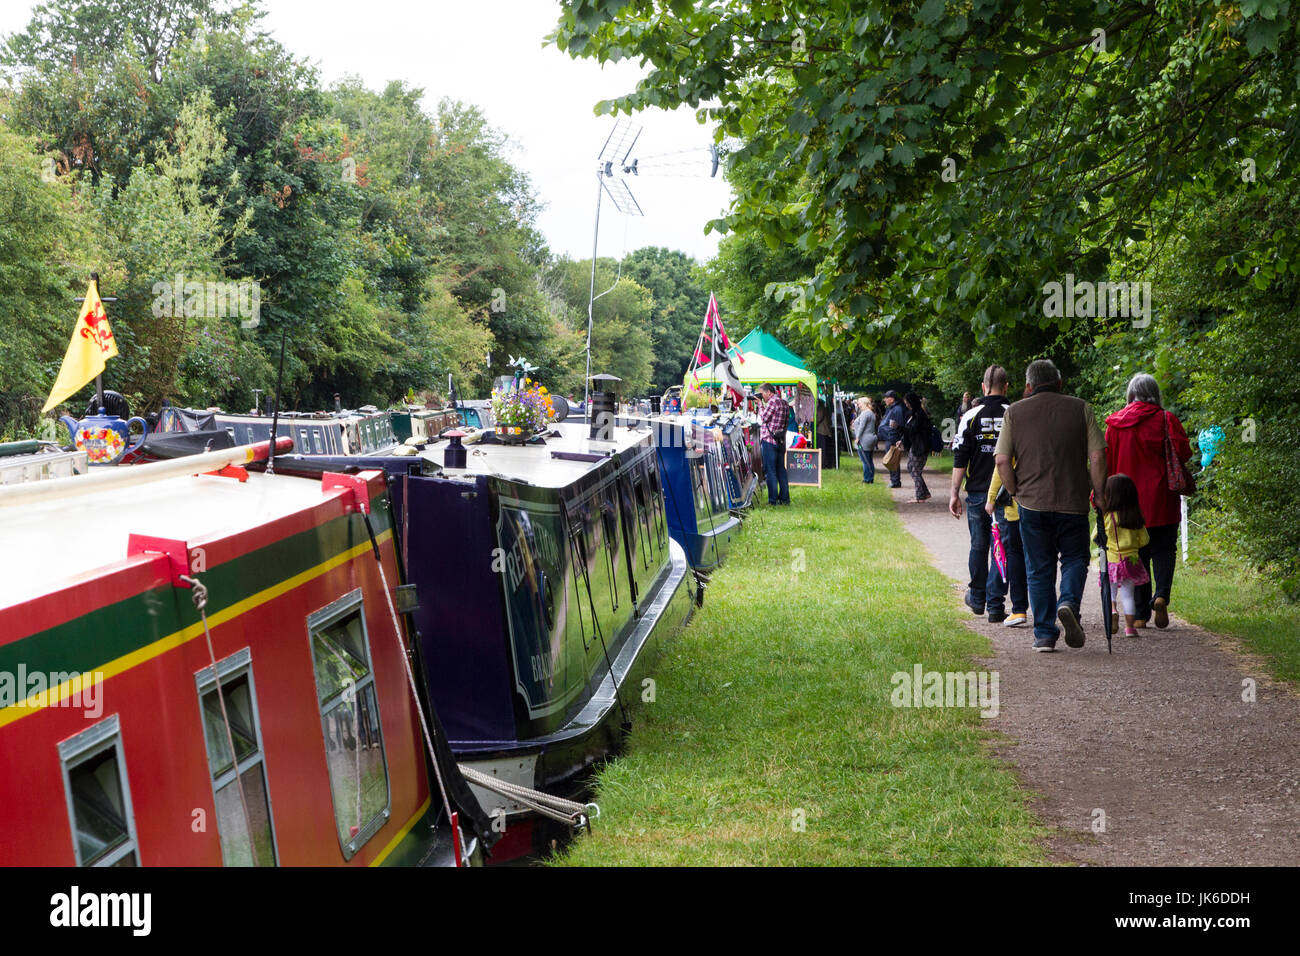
[708,473]
[415,421]
[738,436]
[362,432]
[546,579]
[207,669]
[178,432]
[33,460]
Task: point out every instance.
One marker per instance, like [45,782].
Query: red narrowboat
[128,597]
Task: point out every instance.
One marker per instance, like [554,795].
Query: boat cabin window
[354,742]
[99,797]
[239,847]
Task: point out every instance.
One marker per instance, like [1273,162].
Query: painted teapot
[104,438]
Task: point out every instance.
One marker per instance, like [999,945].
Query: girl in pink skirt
[1126,533]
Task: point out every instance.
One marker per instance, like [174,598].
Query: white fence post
[1182,501]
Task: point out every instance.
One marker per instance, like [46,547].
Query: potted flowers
[521,409]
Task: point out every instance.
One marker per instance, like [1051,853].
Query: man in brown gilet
[1059,455]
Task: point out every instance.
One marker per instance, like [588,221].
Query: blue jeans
[868,466]
[987,589]
[778,487]
[1049,537]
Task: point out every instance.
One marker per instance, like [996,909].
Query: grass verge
[771,739]
[1224,596]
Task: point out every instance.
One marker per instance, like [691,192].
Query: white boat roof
[50,544]
[534,464]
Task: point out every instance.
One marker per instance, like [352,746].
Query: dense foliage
[911,178]
[392,244]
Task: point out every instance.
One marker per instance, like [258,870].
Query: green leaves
[1057,149]
[1263,35]
[931,12]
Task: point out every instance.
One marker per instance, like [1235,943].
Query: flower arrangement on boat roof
[695,397]
[525,404]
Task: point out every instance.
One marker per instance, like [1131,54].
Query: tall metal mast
[621,140]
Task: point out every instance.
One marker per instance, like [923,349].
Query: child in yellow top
[1010,512]
[1011,545]
[1126,533]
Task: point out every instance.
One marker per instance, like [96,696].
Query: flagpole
[713,352]
[695,356]
[591,302]
[99,379]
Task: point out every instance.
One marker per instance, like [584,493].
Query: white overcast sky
[490,53]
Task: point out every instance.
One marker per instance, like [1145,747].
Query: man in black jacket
[973,459]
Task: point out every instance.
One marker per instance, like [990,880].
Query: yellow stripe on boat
[401,834]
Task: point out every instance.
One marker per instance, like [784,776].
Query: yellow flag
[92,344]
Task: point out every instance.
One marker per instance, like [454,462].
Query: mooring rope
[548,805]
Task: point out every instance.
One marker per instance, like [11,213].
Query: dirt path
[1157,735]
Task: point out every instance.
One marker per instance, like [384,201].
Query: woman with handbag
[1149,444]
[864,433]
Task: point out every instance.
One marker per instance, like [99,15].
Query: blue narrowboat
[545,577]
[708,469]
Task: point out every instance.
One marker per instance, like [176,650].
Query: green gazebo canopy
[764,344]
[766,360]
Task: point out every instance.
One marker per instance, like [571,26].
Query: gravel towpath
[1156,736]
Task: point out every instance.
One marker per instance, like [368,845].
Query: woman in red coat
[1135,446]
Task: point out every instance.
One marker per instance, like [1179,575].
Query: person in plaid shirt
[773,417]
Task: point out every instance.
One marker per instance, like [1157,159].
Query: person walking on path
[999,507]
[1058,452]
[891,431]
[916,442]
[864,434]
[973,462]
[1125,537]
[1135,446]
[772,421]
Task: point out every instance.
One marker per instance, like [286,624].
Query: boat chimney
[602,416]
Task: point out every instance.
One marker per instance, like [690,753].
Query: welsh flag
[91,346]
